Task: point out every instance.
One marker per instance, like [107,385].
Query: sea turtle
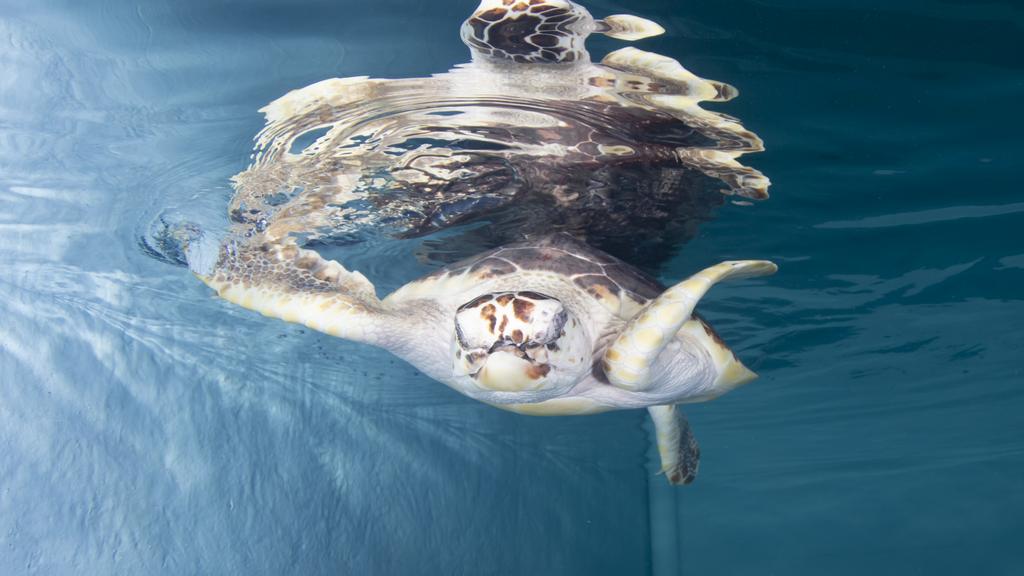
[547,326]
[530,136]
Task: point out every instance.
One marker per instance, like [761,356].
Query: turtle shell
[618,286]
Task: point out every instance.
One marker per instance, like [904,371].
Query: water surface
[148,427]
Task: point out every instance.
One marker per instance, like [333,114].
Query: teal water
[146,427]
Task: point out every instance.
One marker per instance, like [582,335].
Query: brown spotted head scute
[529,31]
[518,342]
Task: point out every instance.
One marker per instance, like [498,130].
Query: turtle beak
[506,371]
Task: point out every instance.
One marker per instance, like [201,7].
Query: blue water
[149,428]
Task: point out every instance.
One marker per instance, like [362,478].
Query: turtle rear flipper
[679,451]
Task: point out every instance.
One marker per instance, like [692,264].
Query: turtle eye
[460,337]
[500,344]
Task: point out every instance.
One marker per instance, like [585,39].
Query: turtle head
[529,31]
[519,342]
[543,31]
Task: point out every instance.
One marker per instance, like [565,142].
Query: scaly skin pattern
[678,449]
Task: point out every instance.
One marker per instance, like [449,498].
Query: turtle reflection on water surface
[528,137]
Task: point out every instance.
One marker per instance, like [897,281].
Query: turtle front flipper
[628,362]
[279,279]
[679,451]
